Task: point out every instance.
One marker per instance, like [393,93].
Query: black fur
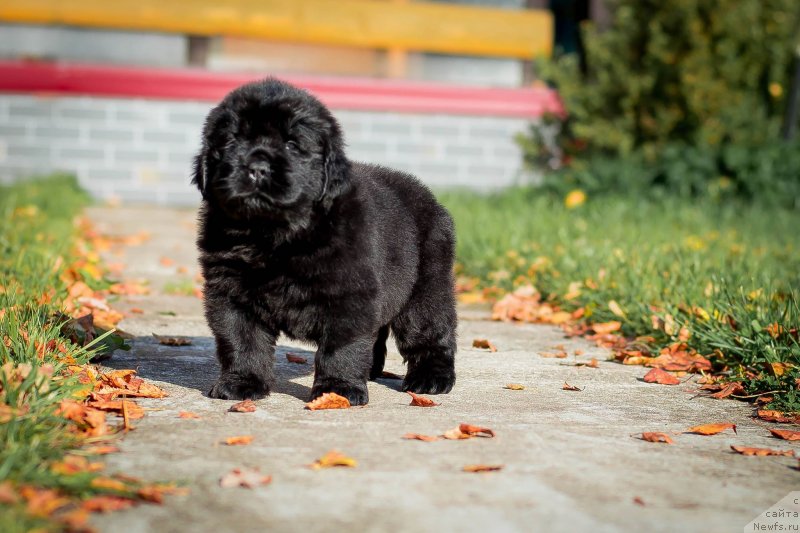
[295,238]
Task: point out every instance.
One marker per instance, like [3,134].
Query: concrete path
[572,461]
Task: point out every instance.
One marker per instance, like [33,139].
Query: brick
[109,134]
[186,117]
[393,128]
[40,151]
[119,175]
[465,150]
[81,113]
[52,132]
[13,130]
[29,108]
[126,154]
[180,136]
[80,152]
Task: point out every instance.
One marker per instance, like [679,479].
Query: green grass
[738,264]
[182,287]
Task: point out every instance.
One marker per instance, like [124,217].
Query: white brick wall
[141,150]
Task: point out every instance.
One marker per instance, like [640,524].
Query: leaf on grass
[239,440]
[248,478]
[390,375]
[101,450]
[417,436]
[761,451]
[730,388]
[188,414]
[7,493]
[661,377]
[482,468]
[333,458]
[567,386]
[296,359]
[616,309]
[108,483]
[607,327]
[245,406]
[711,429]
[106,504]
[785,434]
[476,431]
[651,436]
[484,344]
[329,400]
[778,416]
[173,341]
[514,386]
[421,401]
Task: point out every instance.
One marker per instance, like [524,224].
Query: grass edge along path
[55,406]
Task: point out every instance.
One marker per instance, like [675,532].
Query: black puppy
[295,238]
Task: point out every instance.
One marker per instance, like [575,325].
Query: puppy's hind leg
[379,353]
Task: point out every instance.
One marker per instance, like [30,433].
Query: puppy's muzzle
[259,170]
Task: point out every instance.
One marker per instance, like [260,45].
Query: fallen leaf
[155,493]
[188,414]
[421,401]
[417,436]
[710,429]
[101,450]
[578,352]
[455,434]
[333,458]
[484,344]
[105,503]
[730,388]
[248,478]
[661,377]
[638,501]
[166,261]
[476,431]
[761,451]
[592,363]
[778,416]
[7,493]
[567,386]
[616,309]
[329,400]
[482,468]
[606,327]
[785,434]
[109,484]
[650,436]
[246,406]
[390,375]
[296,359]
[173,341]
[557,355]
[238,440]
[514,386]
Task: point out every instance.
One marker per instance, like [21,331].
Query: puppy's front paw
[239,387]
[429,379]
[356,393]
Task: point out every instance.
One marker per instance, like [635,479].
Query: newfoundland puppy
[297,239]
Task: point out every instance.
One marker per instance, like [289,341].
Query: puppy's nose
[258,170]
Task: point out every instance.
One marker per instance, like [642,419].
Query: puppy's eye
[291,145]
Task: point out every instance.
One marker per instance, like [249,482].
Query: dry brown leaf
[557,355]
[173,341]
[248,478]
[390,375]
[333,458]
[710,429]
[421,401]
[166,261]
[785,434]
[607,327]
[761,451]
[730,388]
[238,440]
[651,436]
[296,359]
[417,436]
[514,386]
[482,468]
[106,504]
[455,434]
[592,363]
[484,344]
[567,386]
[661,377]
[245,406]
[155,493]
[329,400]
[476,431]
[101,450]
[188,414]
[109,484]
[778,416]
[638,501]
[7,493]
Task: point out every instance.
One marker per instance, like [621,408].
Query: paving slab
[572,461]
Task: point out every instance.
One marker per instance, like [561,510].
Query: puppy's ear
[336,169]
[200,170]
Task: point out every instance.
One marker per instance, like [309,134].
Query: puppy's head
[270,149]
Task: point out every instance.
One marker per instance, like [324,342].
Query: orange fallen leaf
[710,429]
[567,386]
[761,451]
[730,388]
[484,344]
[558,355]
[105,503]
[238,440]
[155,493]
[777,416]
[482,468]
[333,458]
[292,358]
[136,310]
[578,352]
[101,450]
[166,261]
[514,386]
[188,414]
[417,436]
[246,406]
[109,484]
[651,436]
[421,401]
[248,478]
[592,363]
[785,434]
[7,493]
[661,377]
[455,434]
[329,400]
[606,327]
[638,501]
[173,341]
[476,430]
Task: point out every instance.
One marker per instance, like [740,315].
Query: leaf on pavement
[711,429]
[245,406]
[482,468]
[421,401]
[558,355]
[417,436]
[105,503]
[329,400]
[761,451]
[514,386]
[188,414]
[296,359]
[173,341]
[778,416]
[333,458]
[651,436]
[484,344]
[455,434]
[239,440]
[730,388]
[661,377]
[567,386]
[248,478]
[785,434]
[476,431]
